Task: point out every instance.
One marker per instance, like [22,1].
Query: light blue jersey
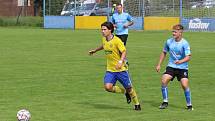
[177,51]
[120,20]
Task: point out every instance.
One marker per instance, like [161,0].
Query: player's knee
[185,87]
[109,88]
[165,81]
[184,83]
[166,78]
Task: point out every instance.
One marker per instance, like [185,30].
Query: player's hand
[125,26]
[178,62]
[91,52]
[119,65]
[158,67]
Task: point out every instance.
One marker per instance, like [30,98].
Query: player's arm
[162,57]
[91,52]
[121,61]
[115,26]
[186,59]
[187,53]
[130,22]
[113,22]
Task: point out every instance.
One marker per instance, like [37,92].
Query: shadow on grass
[156,104]
[102,105]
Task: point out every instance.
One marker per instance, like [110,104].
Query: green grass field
[50,73]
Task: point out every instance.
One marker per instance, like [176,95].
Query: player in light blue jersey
[121,21]
[179,55]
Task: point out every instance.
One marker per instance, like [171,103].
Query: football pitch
[50,73]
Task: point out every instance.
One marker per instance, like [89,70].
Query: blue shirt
[120,20]
[177,51]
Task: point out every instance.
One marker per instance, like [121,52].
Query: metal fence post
[181,10]
[143,13]
[108,14]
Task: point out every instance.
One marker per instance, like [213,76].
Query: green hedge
[23,21]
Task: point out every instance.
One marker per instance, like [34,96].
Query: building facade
[17,7]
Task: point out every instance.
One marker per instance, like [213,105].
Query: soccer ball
[23,115]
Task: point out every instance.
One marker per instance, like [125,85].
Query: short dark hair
[178,27]
[109,25]
[118,4]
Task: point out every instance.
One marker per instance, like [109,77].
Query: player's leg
[164,90]
[123,38]
[109,83]
[132,93]
[125,80]
[166,78]
[187,93]
[122,76]
[183,77]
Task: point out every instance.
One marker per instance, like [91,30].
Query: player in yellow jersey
[115,52]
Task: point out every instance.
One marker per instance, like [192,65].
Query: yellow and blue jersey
[113,50]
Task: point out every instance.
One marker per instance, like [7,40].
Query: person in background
[122,21]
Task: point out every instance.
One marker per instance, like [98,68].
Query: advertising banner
[64,22]
[199,24]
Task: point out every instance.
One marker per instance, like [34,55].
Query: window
[23,2]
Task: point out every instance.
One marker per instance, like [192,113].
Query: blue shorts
[123,77]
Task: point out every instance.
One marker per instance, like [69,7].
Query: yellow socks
[132,93]
[117,89]
[134,98]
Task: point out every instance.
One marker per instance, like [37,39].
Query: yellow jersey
[113,50]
